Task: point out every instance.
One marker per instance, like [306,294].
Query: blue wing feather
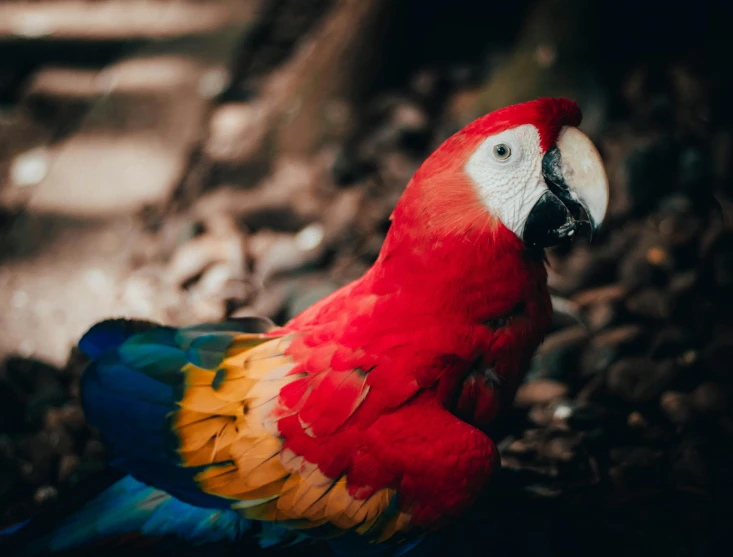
[109,334]
[132,387]
[129,391]
[130,506]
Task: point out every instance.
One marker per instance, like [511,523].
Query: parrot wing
[113,511]
[194,412]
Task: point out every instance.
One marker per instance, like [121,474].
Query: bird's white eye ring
[502,151]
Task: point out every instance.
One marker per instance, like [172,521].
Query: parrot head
[526,167]
[458,296]
[462,260]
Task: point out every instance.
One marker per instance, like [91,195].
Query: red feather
[414,327]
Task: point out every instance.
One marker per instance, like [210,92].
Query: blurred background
[183,161]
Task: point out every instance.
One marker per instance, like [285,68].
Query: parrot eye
[502,151]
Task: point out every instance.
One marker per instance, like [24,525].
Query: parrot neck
[441,301]
[476,302]
[476,269]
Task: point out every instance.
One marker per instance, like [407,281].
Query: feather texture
[342,423]
[201,409]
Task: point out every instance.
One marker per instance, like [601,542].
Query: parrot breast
[420,354]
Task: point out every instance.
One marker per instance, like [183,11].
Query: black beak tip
[549,223]
[559,213]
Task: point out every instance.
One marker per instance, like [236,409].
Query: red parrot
[362,419]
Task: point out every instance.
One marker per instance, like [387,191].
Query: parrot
[362,421]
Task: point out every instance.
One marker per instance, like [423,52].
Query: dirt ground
[206,159]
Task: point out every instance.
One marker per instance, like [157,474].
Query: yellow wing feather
[221,423]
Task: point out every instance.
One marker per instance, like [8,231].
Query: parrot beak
[577,191]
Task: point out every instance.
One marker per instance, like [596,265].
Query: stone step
[130,149]
[120,19]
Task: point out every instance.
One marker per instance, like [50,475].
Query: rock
[29,168]
[690,468]
[426,83]
[557,356]
[717,264]
[608,346]
[652,303]
[408,116]
[45,493]
[396,169]
[147,294]
[717,356]
[679,228]
[41,385]
[640,379]
[59,440]
[230,126]
[568,414]
[601,316]
[39,403]
[709,399]
[272,301]
[68,465]
[682,282]
[539,448]
[671,342]
[206,309]
[645,265]
[411,125]
[538,392]
[278,253]
[348,167]
[637,466]
[526,444]
[293,186]
[32,376]
[192,258]
[94,449]
[39,456]
[544,490]
[586,416]
[561,447]
[658,257]
[600,306]
[594,388]
[677,406]
[611,293]
[338,222]
[541,414]
[221,281]
[583,269]
[23,156]
[460,108]
[565,313]
[636,420]
[71,416]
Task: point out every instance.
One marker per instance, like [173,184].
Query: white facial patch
[509,187]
